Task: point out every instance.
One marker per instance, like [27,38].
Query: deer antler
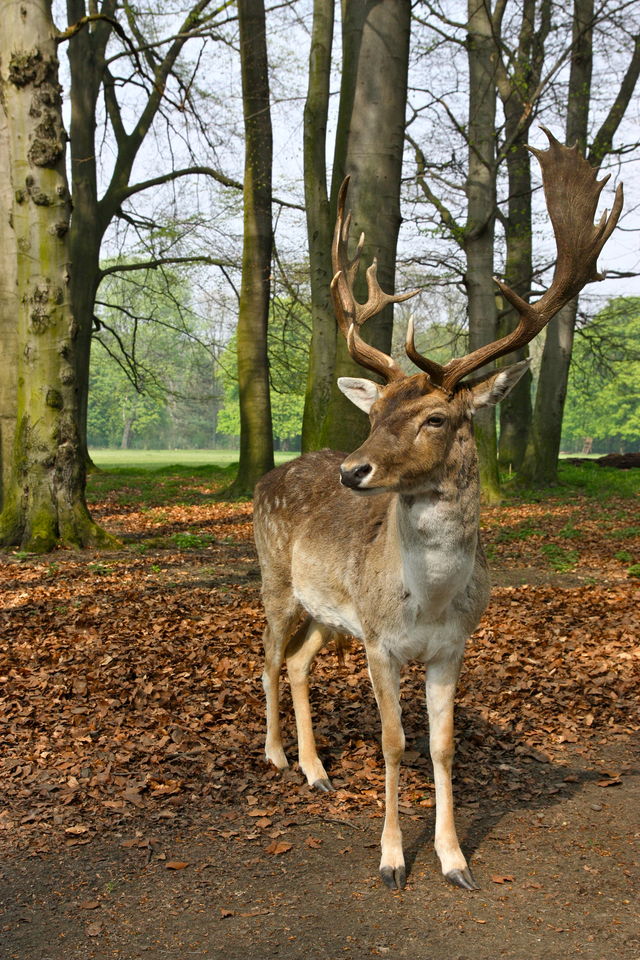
[571,191]
[350,314]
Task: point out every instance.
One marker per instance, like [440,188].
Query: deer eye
[435,420]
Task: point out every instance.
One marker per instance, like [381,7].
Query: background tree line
[170,187]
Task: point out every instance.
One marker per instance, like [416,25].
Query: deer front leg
[441,681]
[385,677]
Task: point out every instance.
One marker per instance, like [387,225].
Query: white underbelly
[339,614]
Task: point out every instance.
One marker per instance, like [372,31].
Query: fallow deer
[404,571]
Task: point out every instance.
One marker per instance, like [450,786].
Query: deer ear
[492,389]
[363,393]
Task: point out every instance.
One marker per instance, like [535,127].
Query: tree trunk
[517,87]
[369,146]
[126,432]
[515,409]
[256,437]
[540,465]
[322,354]
[86,61]
[479,233]
[8,314]
[44,497]
[541,461]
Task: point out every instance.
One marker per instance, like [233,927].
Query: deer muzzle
[355,477]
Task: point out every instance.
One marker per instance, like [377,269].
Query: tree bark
[256,437]
[517,88]
[322,354]
[87,63]
[480,228]
[44,496]
[8,313]
[369,146]
[540,465]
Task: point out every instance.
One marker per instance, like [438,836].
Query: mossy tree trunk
[369,146]
[480,227]
[8,314]
[43,503]
[256,437]
[322,353]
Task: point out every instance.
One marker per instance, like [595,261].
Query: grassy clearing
[118,460]
[147,479]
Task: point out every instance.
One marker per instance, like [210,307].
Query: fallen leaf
[278,847]
[89,905]
[176,864]
[93,929]
[507,878]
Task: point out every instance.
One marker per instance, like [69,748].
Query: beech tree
[369,146]
[121,55]
[256,436]
[322,350]
[518,80]
[43,492]
[540,465]
[530,48]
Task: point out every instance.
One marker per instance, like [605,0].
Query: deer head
[414,419]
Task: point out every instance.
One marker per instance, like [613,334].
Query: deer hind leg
[441,683]
[300,653]
[385,677]
[276,634]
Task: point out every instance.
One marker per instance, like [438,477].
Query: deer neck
[436,528]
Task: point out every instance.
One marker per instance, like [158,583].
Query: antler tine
[351,314]
[430,367]
[571,191]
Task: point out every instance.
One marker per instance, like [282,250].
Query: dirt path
[559,878]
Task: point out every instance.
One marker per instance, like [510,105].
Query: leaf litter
[130,681]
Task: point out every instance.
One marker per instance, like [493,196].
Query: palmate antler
[572,192]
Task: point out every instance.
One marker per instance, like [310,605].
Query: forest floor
[139,819]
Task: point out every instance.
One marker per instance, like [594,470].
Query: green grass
[558,558]
[161,459]
[590,480]
[522,531]
[148,479]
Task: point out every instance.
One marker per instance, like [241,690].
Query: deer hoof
[462,878]
[394,879]
[324,785]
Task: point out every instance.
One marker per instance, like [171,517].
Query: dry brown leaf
[278,847]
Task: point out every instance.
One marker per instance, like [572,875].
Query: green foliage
[603,399]
[152,373]
[288,351]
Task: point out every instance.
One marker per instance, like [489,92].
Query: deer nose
[353,477]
